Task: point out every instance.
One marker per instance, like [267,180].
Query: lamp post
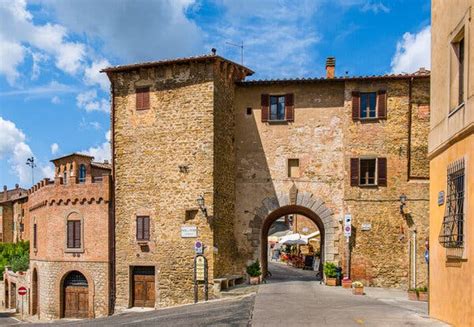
[201,203]
[403,202]
[31,162]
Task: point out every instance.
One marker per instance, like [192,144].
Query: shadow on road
[280,273]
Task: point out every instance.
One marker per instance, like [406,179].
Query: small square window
[293,168]
[367,172]
[190,214]
[249,111]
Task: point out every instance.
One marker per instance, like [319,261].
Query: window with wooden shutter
[289,107]
[382,171]
[354,171]
[265,100]
[142,98]
[355,105]
[74,234]
[143,228]
[35,236]
[382,104]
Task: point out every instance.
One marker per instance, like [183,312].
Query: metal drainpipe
[413,259]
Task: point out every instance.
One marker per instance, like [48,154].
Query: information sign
[188,231]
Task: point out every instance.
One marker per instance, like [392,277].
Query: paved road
[293,297]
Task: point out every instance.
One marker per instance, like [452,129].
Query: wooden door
[76,302]
[13,296]
[144,287]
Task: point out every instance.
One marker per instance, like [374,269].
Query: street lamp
[31,162]
[403,202]
[201,204]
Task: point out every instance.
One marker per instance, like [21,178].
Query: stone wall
[149,148]
[263,149]
[380,256]
[50,289]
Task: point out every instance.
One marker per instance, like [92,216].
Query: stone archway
[303,203]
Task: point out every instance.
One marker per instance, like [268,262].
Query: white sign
[188,231]
[200,268]
[348,220]
[366,226]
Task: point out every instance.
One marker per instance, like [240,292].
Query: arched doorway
[75,296]
[34,296]
[285,211]
[7,294]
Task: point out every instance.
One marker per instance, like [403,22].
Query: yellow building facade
[451,152]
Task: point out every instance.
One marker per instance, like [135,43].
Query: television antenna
[241,46]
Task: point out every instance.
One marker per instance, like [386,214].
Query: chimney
[330,67]
[17,186]
[213,51]
[106,161]
[5,193]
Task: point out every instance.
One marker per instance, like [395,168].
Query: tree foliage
[14,255]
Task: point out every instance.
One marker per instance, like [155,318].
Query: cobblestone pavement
[293,297]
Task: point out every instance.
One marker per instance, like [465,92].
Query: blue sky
[54,101]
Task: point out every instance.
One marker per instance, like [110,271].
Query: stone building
[14,221]
[195,145]
[71,242]
[451,153]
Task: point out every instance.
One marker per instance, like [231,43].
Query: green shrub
[15,255]
[253,270]
[421,289]
[330,270]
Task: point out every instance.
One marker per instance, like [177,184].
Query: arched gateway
[303,203]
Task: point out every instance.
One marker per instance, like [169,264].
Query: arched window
[74,237]
[82,173]
[65,177]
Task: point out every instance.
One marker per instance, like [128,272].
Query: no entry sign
[22,290]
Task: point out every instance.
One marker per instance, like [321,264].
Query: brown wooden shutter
[139,228]
[77,234]
[146,228]
[265,103]
[355,105]
[382,171]
[139,100]
[146,98]
[70,234]
[382,104]
[289,107]
[354,171]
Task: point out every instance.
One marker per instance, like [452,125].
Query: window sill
[79,250]
[370,120]
[278,122]
[456,109]
[369,186]
[143,242]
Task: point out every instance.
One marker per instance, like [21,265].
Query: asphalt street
[290,297]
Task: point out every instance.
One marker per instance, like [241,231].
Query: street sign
[366,226]
[348,219]
[440,198]
[347,231]
[200,268]
[198,247]
[188,231]
[22,290]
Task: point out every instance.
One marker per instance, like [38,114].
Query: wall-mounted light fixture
[202,205]
[403,203]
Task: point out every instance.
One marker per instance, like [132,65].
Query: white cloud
[55,100]
[17,28]
[89,101]
[375,7]
[16,151]
[413,51]
[120,26]
[101,152]
[93,76]
[38,58]
[47,90]
[278,37]
[47,171]
[54,148]
[89,124]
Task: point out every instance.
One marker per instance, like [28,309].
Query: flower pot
[423,296]
[331,281]
[412,296]
[346,283]
[358,291]
[255,280]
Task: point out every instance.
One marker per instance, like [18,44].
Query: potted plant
[422,293]
[412,294]
[346,282]
[357,288]
[330,271]
[254,272]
